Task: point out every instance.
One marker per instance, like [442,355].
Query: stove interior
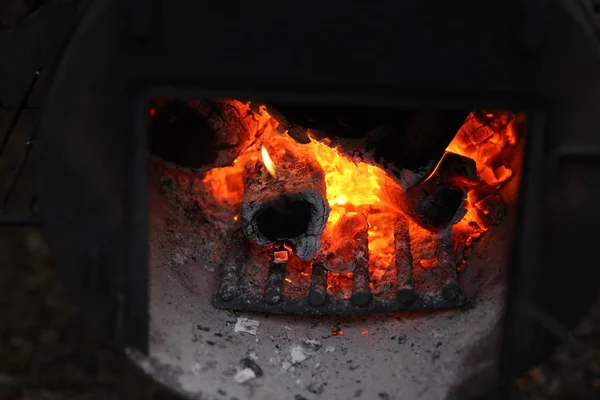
[276,229]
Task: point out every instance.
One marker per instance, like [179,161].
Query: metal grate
[255,283]
[25,214]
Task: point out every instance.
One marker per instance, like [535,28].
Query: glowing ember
[364,333]
[280,256]
[355,186]
[269,164]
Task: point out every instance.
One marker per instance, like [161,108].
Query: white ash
[329,349]
[286,365]
[246,325]
[297,355]
[313,344]
[244,375]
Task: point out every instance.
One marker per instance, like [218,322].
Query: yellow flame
[269,164]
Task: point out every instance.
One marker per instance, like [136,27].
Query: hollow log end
[263,223]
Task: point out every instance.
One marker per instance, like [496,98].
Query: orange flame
[355,186]
[269,164]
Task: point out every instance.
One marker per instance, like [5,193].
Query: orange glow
[280,256]
[356,186]
[269,164]
[364,333]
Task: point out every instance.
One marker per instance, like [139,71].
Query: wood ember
[490,207]
[317,293]
[291,207]
[343,249]
[200,133]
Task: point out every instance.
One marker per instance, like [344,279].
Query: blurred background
[46,349]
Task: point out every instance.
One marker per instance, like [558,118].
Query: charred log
[345,248]
[439,201]
[198,133]
[290,207]
[405,143]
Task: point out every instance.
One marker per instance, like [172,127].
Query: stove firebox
[317,214]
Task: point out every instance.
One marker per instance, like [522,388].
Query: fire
[355,186]
[269,164]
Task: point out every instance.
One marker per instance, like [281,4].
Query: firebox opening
[379,208]
[371,218]
[283,218]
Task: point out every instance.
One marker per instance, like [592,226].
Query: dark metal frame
[22,217]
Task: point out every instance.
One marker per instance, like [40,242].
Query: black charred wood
[198,133]
[439,201]
[291,207]
[180,134]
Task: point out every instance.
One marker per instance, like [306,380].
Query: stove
[375,201]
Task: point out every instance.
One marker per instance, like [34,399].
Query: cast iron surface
[26,215]
[287,305]
[540,57]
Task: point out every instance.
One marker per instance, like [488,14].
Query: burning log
[405,143]
[290,206]
[345,247]
[200,133]
[439,201]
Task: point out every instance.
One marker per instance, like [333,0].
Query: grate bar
[274,286]
[361,292]
[447,266]
[317,293]
[405,298]
[403,262]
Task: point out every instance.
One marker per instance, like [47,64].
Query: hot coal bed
[295,250]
